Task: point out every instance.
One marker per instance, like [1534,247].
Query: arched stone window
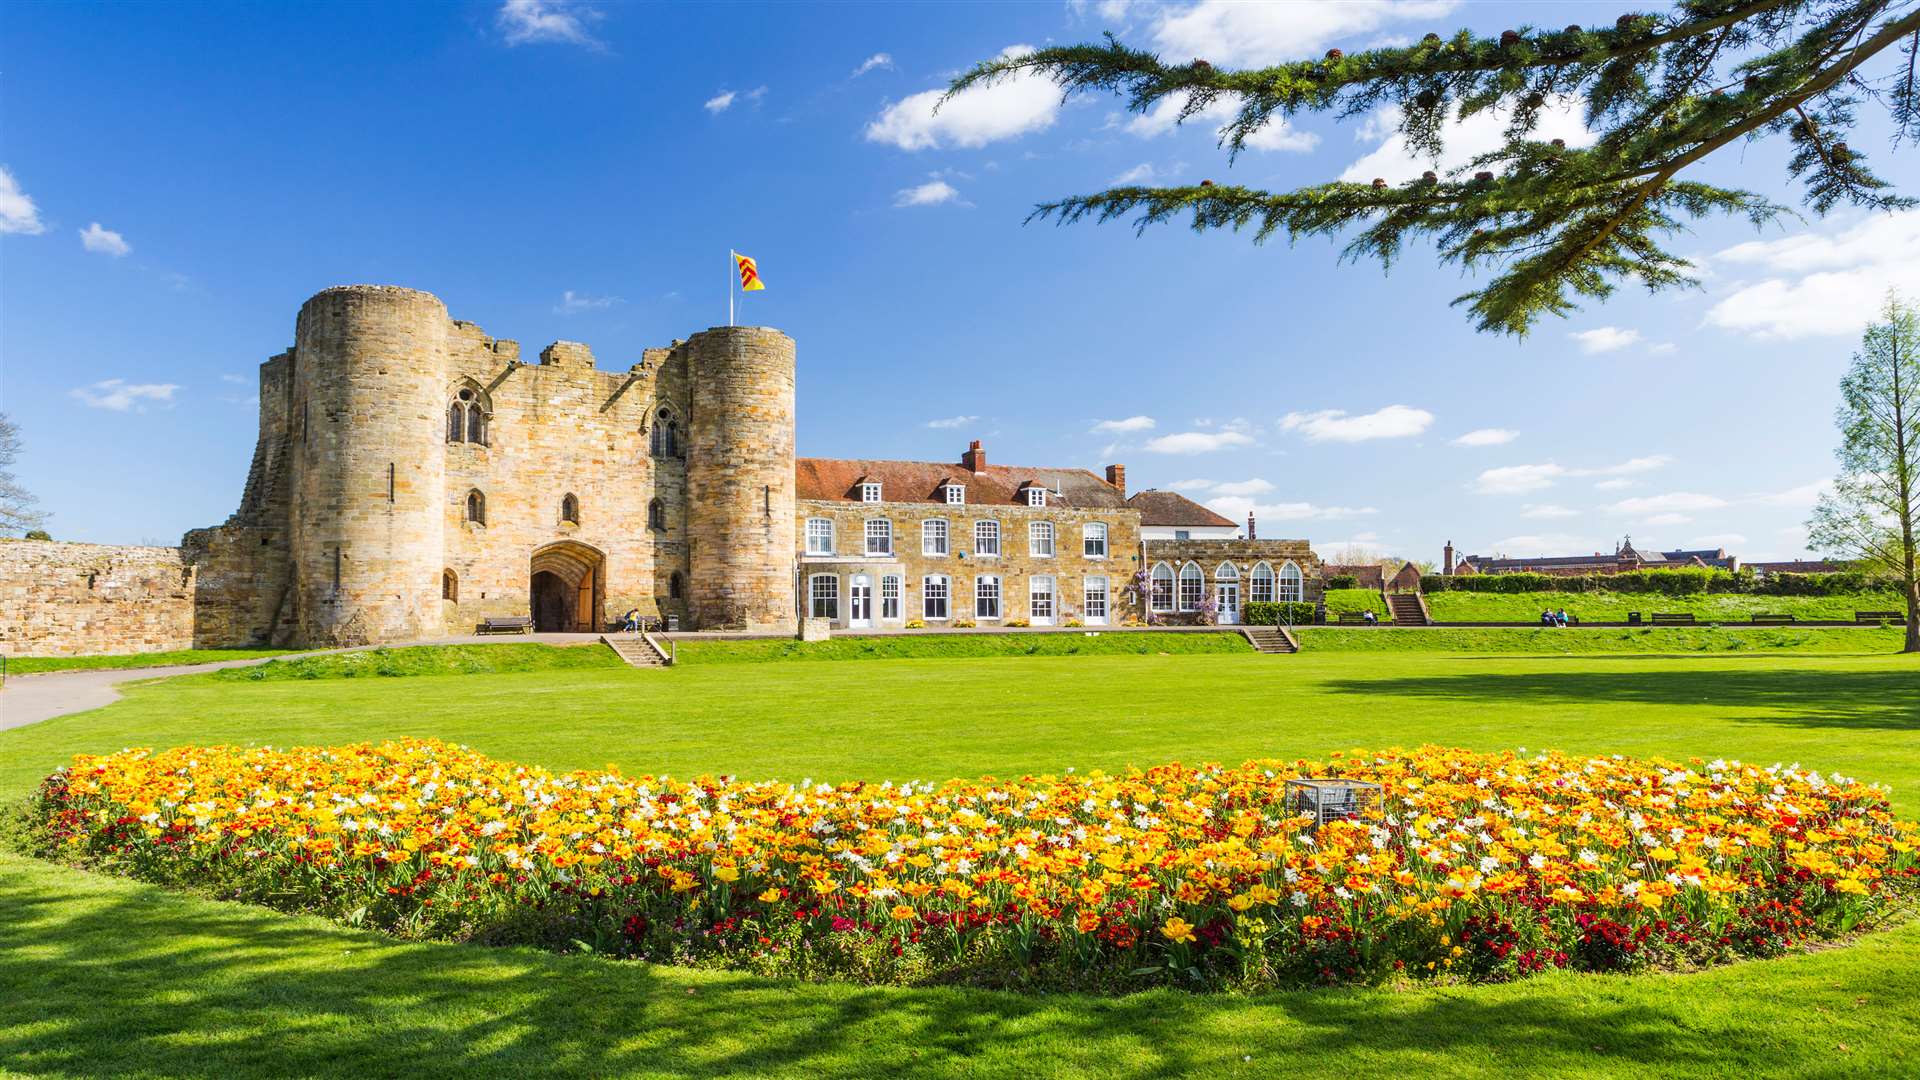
[476,507]
[449,586]
[656,515]
[570,510]
[1193,587]
[1290,582]
[1160,593]
[467,416]
[666,434]
[1260,584]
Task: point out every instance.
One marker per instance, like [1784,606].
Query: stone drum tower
[369,465]
[740,480]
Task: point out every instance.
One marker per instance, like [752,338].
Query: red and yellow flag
[749,273]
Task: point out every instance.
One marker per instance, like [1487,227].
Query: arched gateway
[567,588]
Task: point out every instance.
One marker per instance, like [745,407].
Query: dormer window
[956,494]
[870,492]
[1036,496]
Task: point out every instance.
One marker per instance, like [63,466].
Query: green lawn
[28,665]
[1341,601]
[1540,640]
[957,646]
[104,976]
[1613,607]
[428,660]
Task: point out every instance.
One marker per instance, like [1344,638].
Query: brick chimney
[1250,534]
[1446,558]
[1117,476]
[975,459]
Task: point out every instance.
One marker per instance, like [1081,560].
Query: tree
[1550,222]
[1869,516]
[16,503]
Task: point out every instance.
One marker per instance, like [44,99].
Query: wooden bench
[1671,618]
[506,624]
[1352,618]
[1878,617]
[1763,619]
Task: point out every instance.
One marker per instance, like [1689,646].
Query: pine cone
[1509,38]
[1206,183]
[1379,182]
[1334,54]
[1483,176]
[1559,144]
[1430,176]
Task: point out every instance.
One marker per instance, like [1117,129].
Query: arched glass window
[456,422]
[1226,571]
[467,416]
[449,586]
[1260,584]
[1290,582]
[476,425]
[570,510]
[1193,587]
[1160,596]
[656,515]
[666,434]
[476,507]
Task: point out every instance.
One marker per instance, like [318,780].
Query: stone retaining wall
[88,599]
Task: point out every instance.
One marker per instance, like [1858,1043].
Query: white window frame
[1198,580]
[1036,496]
[890,602]
[1290,584]
[815,596]
[935,537]
[870,493]
[820,525]
[1052,595]
[1226,571]
[986,538]
[885,532]
[1157,600]
[1100,613]
[987,587]
[945,585]
[1089,537]
[1260,584]
[956,494]
[1036,531]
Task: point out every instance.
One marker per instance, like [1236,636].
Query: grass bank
[28,665]
[963,646]
[1613,607]
[1544,641]
[1342,601]
[426,660]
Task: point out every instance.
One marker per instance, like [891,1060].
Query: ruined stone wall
[61,599]
[1015,566]
[740,480]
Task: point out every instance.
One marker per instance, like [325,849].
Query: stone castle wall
[59,599]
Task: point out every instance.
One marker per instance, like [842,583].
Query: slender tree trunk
[1903,477]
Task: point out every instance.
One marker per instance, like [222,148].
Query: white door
[860,601]
[1040,600]
[1096,605]
[1227,595]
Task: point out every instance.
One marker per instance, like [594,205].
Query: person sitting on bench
[1371,618]
[1560,617]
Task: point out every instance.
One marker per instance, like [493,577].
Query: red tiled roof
[1364,575]
[919,481]
[1172,508]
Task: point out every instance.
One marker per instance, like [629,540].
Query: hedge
[1664,582]
[1274,612]
[1342,581]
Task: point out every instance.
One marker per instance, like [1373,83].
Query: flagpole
[732,266]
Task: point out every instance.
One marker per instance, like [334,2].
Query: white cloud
[878,61]
[1668,519]
[1192,485]
[1106,9]
[18,214]
[1197,442]
[1142,173]
[1464,140]
[1548,510]
[1793,498]
[1018,106]
[952,422]
[1164,117]
[1613,485]
[1522,479]
[1334,425]
[573,303]
[720,102]
[1230,32]
[1604,339]
[931,193]
[1663,348]
[1231,487]
[534,22]
[1669,503]
[1718,540]
[1487,436]
[104,241]
[1236,507]
[120,395]
[1124,427]
[1821,284]
[1531,544]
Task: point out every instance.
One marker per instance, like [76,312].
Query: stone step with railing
[638,650]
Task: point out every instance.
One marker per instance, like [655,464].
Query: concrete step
[1406,609]
[1268,639]
[636,651]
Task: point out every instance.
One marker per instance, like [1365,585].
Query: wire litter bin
[1326,800]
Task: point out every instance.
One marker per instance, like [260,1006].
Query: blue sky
[179,178]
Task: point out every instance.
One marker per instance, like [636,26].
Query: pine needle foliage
[1551,224]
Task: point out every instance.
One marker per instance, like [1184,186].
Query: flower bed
[1482,866]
